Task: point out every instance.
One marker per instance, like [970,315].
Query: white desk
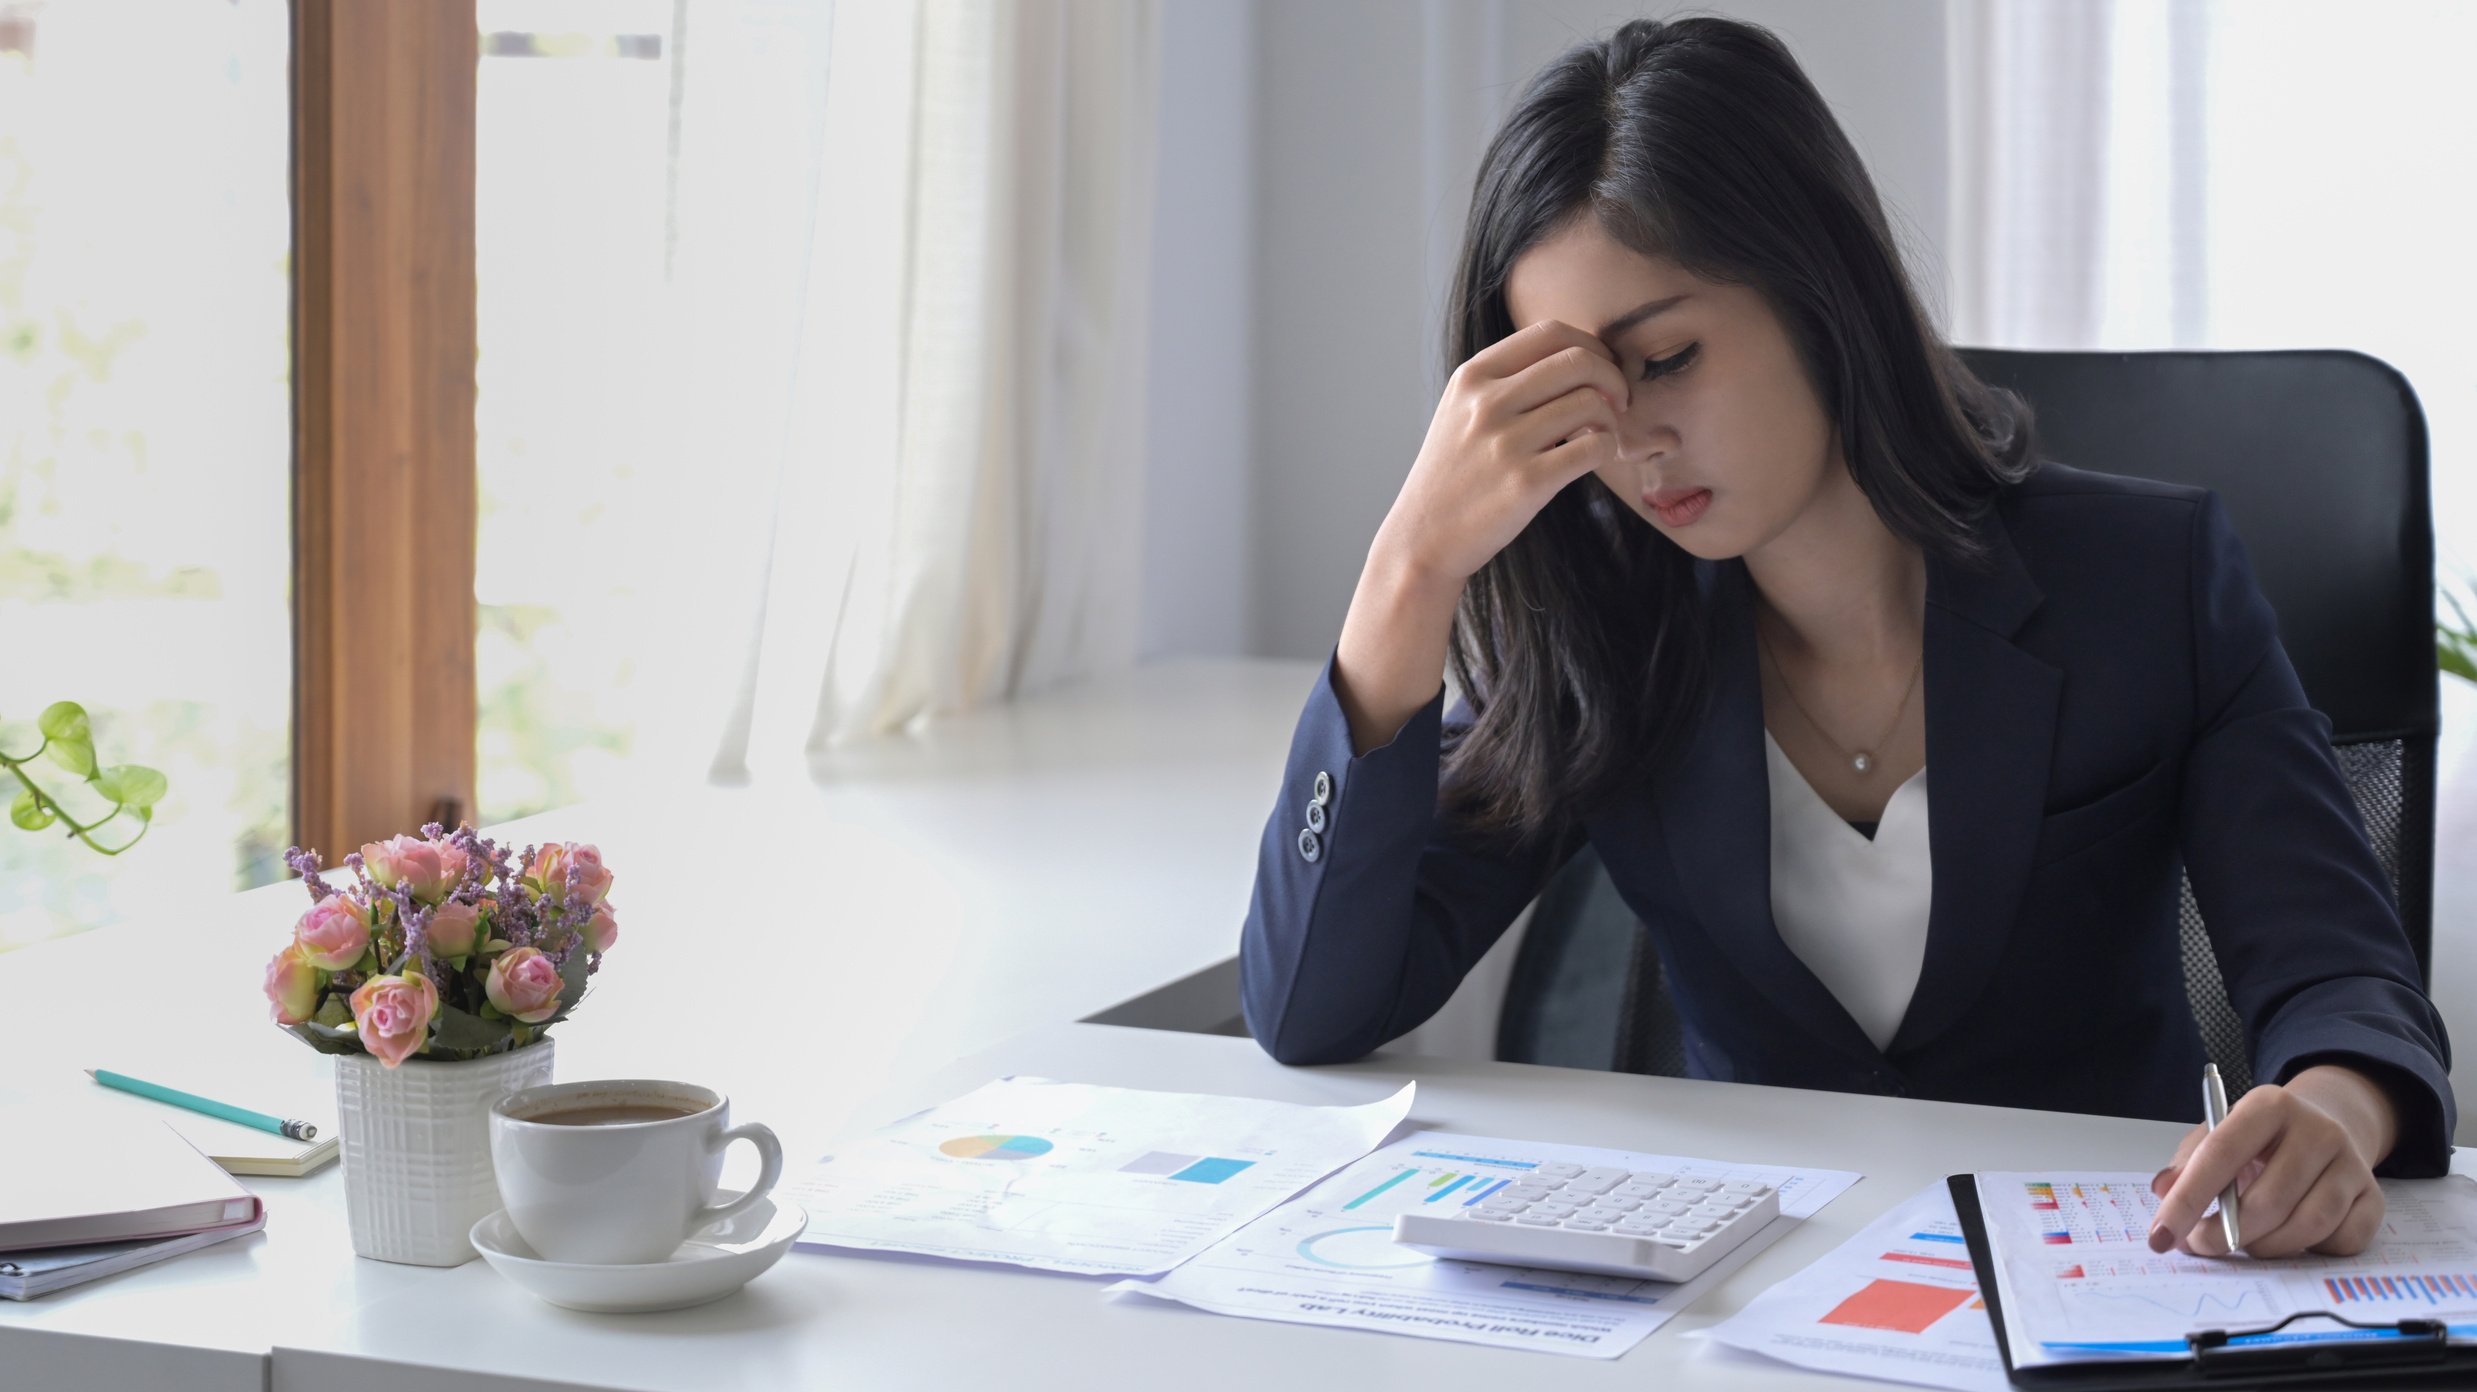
[827,1320]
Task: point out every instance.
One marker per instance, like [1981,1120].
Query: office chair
[2321,458]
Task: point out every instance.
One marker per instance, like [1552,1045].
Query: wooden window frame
[384,491]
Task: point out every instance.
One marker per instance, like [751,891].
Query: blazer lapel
[1715,808]
[1991,718]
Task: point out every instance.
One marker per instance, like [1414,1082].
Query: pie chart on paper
[994,1147]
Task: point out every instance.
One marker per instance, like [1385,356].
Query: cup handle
[770,1157]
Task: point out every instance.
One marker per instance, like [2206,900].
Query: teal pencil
[297,1130]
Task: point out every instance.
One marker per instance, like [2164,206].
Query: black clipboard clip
[2421,1342]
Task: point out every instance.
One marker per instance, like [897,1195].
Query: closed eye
[1661,367]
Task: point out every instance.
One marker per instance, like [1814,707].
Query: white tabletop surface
[836,1320]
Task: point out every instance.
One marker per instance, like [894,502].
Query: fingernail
[2160,1238]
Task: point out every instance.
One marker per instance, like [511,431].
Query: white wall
[1198,542]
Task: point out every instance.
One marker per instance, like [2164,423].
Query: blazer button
[1309,846]
[1316,817]
[1324,788]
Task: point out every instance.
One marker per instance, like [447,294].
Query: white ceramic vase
[416,1149]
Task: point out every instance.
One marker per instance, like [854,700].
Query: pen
[2214,1111]
[297,1130]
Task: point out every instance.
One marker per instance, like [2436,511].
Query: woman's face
[1724,442]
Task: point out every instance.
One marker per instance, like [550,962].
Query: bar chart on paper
[1328,1255]
[2079,1277]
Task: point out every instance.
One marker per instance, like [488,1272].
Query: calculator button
[1579,1223]
[1558,1171]
[1619,1202]
[1536,1219]
[1747,1187]
[1664,1207]
[1700,1186]
[1485,1216]
[1596,1181]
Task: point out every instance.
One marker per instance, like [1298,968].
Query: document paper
[2076,1277]
[1897,1302]
[1075,1177]
[1328,1256]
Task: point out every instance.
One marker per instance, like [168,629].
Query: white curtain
[916,238]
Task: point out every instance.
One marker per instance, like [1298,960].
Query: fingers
[1561,420]
[2251,1130]
[2356,1231]
[2184,1151]
[2316,1216]
[1529,344]
[1557,374]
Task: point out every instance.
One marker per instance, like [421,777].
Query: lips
[1680,506]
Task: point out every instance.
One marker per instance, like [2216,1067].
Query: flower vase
[416,1149]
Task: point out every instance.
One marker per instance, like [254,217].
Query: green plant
[68,740]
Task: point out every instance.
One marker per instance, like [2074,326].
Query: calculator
[1645,1223]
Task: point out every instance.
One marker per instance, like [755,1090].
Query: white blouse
[1854,910]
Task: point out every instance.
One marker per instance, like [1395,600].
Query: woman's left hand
[2302,1155]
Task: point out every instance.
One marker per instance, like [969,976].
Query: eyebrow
[1637,315]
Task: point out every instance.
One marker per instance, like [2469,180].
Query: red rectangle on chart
[1900,1305]
[1954,1262]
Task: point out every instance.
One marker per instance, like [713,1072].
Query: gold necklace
[1861,760]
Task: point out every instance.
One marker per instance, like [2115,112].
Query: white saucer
[719,1259]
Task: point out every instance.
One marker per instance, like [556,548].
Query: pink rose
[333,934]
[453,860]
[452,928]
[552,864]
[548,864]
[592,876]
[408,861]
[602,929]
[393,1013]
[525,984]
[293,984]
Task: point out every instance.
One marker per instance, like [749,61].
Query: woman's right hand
[1526,416]
[1520,420]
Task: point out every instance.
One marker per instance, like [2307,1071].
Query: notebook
[42,1270]
[121,1179]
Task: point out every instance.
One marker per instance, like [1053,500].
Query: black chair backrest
[2321,459]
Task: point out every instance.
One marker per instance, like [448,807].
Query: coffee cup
[619,1171]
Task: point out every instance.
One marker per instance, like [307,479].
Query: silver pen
[2215,1111]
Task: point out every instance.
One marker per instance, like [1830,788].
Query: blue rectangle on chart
[1212,1170]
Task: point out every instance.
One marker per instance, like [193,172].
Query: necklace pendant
[1862,762]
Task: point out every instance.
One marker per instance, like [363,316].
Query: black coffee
[614,1113]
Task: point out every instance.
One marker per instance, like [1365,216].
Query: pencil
[297,1130]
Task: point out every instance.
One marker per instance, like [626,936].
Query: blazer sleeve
[1359,932]
[2298,907]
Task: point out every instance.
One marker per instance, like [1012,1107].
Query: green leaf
[64,720]
[2454,658]
[76,754]
[462,1032]
[131,785]
[572,979]
[29,813]
[334,1011]
[326,1040]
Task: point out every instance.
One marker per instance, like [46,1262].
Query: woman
[1740,553]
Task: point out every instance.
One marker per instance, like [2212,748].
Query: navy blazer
[2106,702]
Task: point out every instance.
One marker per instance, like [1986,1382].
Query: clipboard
[2419,1354]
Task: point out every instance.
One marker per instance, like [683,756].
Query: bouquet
[441,947]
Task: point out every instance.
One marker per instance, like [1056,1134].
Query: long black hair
[1583,646]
